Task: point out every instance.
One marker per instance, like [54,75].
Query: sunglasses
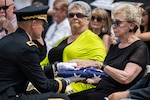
[118,23]
[99,19]
[144,14]
[5,7]
[78,15]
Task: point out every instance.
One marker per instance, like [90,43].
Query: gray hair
[81,5]
[131,12]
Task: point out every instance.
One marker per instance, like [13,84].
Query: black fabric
[55,54]
[102,34]
[44,2]
[30,11]
[142,30]
[42,49]
[117,58]
[10,94]
[49,71]
[148,45]
[91,94]
[142,1]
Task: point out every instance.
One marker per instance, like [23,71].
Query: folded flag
[89,72]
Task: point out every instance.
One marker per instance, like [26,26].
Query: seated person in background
[60,28]
[83,44]
[145,23]
[125,62]
[100,24]
[8,22]
[139,91]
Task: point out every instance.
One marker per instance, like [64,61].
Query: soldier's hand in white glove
[65,65]
[73,79]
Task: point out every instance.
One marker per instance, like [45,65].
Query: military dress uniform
[20,64]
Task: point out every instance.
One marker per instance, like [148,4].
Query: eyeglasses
[5,7]
[118,23]
[144,14]
[99,19]
[78,15]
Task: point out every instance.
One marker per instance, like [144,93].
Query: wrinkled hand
[8,26]
[65,65]
[86,63]
[118,95]
[73,79]
[80,63]
[113,39]
[93,80]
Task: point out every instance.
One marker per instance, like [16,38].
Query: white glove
[73,79]
[65,65]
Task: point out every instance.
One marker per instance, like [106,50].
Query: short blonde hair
[132,14]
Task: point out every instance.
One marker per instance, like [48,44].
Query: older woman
[83,44]
[125,62]
[100,24]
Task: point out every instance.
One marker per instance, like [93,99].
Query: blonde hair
[132,14]
[99,12]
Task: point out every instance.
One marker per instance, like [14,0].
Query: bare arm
[143,36]
[124,76]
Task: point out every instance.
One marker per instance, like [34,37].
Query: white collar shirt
[57,32]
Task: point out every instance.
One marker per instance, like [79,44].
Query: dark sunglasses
[118,23]
[144,14]
[5,7]
[99,19]
[78,15]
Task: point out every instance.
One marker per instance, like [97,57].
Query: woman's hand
[94,80]
[118,95]
[86,63]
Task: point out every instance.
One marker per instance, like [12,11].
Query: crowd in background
[79,38]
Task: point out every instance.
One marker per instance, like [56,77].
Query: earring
[103,29]
[130,30]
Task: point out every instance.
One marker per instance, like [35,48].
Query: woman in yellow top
[83,44]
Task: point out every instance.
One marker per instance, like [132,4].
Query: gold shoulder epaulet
[31,43]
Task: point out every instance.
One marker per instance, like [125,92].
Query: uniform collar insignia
[31,43]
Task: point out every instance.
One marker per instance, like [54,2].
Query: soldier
[20,62]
